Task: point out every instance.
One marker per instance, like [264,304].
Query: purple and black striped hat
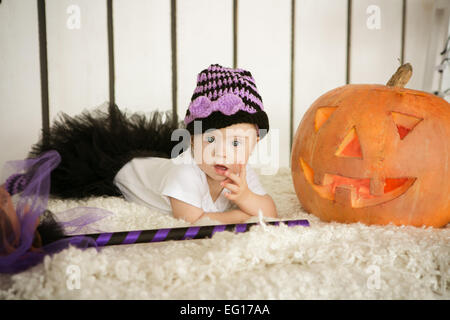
[224,97]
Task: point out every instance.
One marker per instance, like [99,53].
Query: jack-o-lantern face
[359,192]
[375,154]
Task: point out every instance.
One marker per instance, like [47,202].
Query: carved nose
[350,146]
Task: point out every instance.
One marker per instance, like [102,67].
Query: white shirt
[151,181]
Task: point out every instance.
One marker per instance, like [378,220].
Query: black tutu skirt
[96,144]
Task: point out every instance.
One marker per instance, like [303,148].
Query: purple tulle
[30,205]
[82,219]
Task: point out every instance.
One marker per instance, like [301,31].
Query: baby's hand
[237,185]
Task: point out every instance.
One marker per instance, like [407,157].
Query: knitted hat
[224,97]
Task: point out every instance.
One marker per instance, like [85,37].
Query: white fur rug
[324,261]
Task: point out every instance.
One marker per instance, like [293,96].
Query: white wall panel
[375,52]
[320,51]
[142,53]
[418,33]
[445,83]
[20,88]
[204,37]
[77,55]
[264,48]
[440,17]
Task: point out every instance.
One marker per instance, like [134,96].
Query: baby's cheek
[234,169]
[242,157]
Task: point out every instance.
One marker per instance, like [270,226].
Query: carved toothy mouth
[355,191]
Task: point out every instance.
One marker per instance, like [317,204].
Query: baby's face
[224,149]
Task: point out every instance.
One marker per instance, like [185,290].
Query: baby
[224,121]
[138,157]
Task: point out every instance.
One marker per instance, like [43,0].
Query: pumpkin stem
[401,77]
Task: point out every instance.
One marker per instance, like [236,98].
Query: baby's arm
[252,202]
[232,216]
[190,213]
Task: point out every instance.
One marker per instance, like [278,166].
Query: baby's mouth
[220,169]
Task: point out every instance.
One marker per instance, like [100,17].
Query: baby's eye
[210,139]
[236,143]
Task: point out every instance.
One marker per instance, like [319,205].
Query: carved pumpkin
[375,154]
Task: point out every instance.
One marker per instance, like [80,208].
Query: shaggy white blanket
[323,261]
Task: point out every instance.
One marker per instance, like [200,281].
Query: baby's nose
[224,155]
[220,149]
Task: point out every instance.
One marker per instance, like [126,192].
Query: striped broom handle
[183,233]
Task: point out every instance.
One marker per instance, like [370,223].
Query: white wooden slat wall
[204,37]
[77,55]
[78,71]
[446,73]
[320,53]
[418,20]
[142,51]
[20,87]
[375,47]
[440,16]
[264,46]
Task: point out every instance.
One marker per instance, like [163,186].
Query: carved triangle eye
[405,123]
[350,146]
[322,115]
